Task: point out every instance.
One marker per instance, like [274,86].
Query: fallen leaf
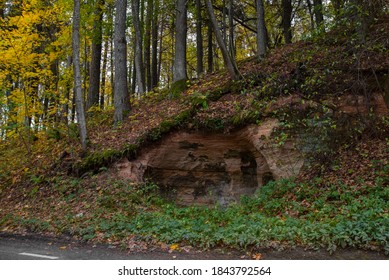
[174,247]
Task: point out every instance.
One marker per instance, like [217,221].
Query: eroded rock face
[203,168]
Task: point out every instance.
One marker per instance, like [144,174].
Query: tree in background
[95,66]
[140,81]
[37,91]
[261,29]
[121,96]
[77,74]
[227,58]
[179,67]
[199,40]
[287,10]
[318,11]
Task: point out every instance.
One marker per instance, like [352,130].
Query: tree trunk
[310,10]
[318,11]
[179,66]
[94,78]
[86,69]
[140,81]
[104,74]
[287,20]
[160,50]
[210,47]
[231,39]
[154,43]
[133,84]
[112,68]
[224,24]
[77,74]
[261,29]
[68,87]
[199,39]
[147,44]
[228,60]
[121,97]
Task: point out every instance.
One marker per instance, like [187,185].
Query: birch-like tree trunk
[77,74]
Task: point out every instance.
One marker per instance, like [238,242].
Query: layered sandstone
[204,168]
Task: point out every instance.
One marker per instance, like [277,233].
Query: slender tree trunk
[160,51]
[55,71]
[94,79]
[228,60]
[110,33]
[86,70]
[210,47]
[231,39]
[287,20]
[138,47]
[261,29]
[224,24]
[121,96]
[68,86]
[199,39]
[104,74]
[77,75]
[310,10]
[154,43]
[179,66]
[73,116]
[133,84]
[147,47]
[129,77]
[318,11]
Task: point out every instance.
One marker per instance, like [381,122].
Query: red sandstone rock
[205,168]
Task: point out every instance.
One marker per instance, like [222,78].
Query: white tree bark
[77,75]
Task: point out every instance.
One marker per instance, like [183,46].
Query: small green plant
[199,99]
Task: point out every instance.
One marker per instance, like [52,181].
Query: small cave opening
[248,168]
[267,177]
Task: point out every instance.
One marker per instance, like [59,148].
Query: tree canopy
[164,42]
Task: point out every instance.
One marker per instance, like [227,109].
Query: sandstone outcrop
[204,168]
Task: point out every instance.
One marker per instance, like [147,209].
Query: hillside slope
[329,92]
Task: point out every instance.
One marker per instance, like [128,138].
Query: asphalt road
[35,247]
